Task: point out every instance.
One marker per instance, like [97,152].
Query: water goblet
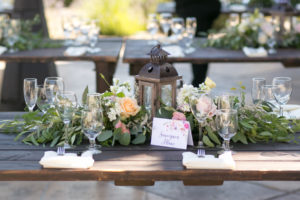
[201,105]
[42,100]
[52,86]
[256,91]
[92,126]
[268,96]
[227,124]
[177,27]
[66,104]
[282,91]
[30,92]
[93,101]
[165,22]
[190,31]
[152,27]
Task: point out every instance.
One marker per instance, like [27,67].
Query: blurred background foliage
[120,17]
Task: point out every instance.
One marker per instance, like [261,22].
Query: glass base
[223,151]
[95,149]
[272,51]
[67,146]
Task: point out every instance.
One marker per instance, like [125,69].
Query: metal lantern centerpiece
[157,81]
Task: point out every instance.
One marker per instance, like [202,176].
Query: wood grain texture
[144,164]
[136,54]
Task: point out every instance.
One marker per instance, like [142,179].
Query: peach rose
[129,107]
[178,116]
[123,127]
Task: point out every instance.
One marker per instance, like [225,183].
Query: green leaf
[73,138]
[212,135]
[54,142]
[190,118]
[266,133]
[84,95]
[164,113]
[240,137]
[207,141]
[121,95]
[124,139]
[33,140]
[107,94]
[105,135]
[246,125]
[139,139]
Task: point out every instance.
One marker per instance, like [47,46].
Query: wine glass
[93,39]
[30,92]
[42,100]
[177,27]
[93,101]
[268,96]
[282,91]
[11,37]
[165,22]
[201,105]
[227,124]
[66,104]
[256,91]
[92,126]
[152,27]
[190,31]
[52,86]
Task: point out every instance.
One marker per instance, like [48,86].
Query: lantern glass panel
[147,97]
[166,94]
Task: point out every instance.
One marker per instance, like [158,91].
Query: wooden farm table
[105,61]
[136,55]
[144,164]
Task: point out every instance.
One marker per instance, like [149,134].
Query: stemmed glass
[256,91]
[152,27]
[42,100]
[178,27]
[93,101]
[93,37]
[66,103]
[282,91]
[92,126]
[52,86]
[268,96]
[190,31]
[11,35]
[227,123]
[201,105]
[165,22]
[30,92]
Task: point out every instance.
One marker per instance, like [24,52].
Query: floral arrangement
[256,122]
[126,122]
[18,35]
[253,32]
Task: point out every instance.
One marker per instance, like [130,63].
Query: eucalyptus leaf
[207,141]
[84,95]
[139,139]
[124,139]
[105,135]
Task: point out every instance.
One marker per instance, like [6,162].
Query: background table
[105,61]
[143,164]
[136,55]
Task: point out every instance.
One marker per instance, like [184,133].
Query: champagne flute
[66,104]
[256,91]
[201,105]
[152,27]
[30,92]
[227,124]
[190,31]
[52,86]
[177,27]
[92,126]
[42,101]
[282,91]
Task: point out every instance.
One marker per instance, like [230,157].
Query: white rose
[267,28]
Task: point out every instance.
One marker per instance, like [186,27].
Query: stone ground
[226,76]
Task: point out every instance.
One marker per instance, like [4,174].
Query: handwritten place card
[171,133]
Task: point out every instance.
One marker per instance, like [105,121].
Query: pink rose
[206,106]
[123,127]
[178,116]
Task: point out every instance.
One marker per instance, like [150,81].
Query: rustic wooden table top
[144,164]
[136,52]
[110,49]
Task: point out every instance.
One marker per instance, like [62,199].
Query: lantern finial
[158,55]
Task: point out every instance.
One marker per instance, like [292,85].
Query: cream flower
[210,83]
[129,107]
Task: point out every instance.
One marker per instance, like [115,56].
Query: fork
[201,153]
[60,151]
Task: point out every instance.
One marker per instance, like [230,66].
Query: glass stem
[92,143]
[200,142]
[66,133]
[281,110]
[226,146]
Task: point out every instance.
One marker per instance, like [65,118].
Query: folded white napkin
[2,49]
[192,161]
[290,111]
[253,52]
[75,51]
[69,160]
[174,51]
